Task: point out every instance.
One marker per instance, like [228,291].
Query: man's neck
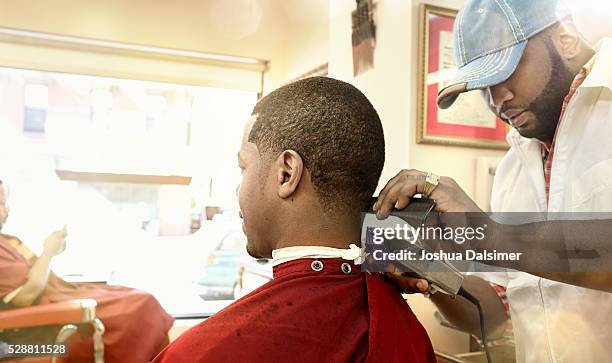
[321,232]
[338,240]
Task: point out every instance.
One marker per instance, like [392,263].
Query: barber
[537,74]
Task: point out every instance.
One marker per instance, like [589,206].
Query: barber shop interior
[336,181]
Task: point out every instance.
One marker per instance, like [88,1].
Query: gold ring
[431,182]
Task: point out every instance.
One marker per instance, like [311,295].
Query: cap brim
[482,72]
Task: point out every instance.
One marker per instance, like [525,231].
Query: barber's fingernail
[421,285]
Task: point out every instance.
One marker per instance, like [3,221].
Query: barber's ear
[570,42]
[289,172]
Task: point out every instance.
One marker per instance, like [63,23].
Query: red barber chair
[66,316]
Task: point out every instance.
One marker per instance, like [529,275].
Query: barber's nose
[499,95]
[238,189]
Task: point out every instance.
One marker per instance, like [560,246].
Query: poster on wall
[469,122]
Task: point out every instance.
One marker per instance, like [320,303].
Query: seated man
[136,325]
[311,157]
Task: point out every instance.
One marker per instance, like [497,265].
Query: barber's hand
[408,284]
[55,243]
[396,194]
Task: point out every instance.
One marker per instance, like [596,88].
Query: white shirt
[552,321]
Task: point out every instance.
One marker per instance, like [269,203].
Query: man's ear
[289,173]
[570,41]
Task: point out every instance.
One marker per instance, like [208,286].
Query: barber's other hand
[408,284]
[55,243]
[396,194]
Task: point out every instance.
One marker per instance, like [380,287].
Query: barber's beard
[547,107]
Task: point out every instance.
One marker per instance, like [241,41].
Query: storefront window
[142,174]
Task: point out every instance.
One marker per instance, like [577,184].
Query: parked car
[229,272]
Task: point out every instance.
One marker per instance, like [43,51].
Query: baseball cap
[490,37]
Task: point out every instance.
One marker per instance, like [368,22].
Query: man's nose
[238,189]
[498,95]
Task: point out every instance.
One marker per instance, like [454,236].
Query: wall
[306,44]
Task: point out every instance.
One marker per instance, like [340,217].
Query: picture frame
[469,121]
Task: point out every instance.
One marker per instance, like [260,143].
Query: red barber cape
[304,315]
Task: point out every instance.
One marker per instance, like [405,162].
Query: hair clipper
[441,275]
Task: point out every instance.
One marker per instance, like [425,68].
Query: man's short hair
[336,131]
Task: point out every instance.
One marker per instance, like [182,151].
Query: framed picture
[468,122]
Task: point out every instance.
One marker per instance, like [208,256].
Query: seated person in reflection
[136,325]
[311,157]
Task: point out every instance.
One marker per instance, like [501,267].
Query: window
[130,146]
[142,173]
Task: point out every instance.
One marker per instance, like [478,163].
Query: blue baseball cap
[490,38]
